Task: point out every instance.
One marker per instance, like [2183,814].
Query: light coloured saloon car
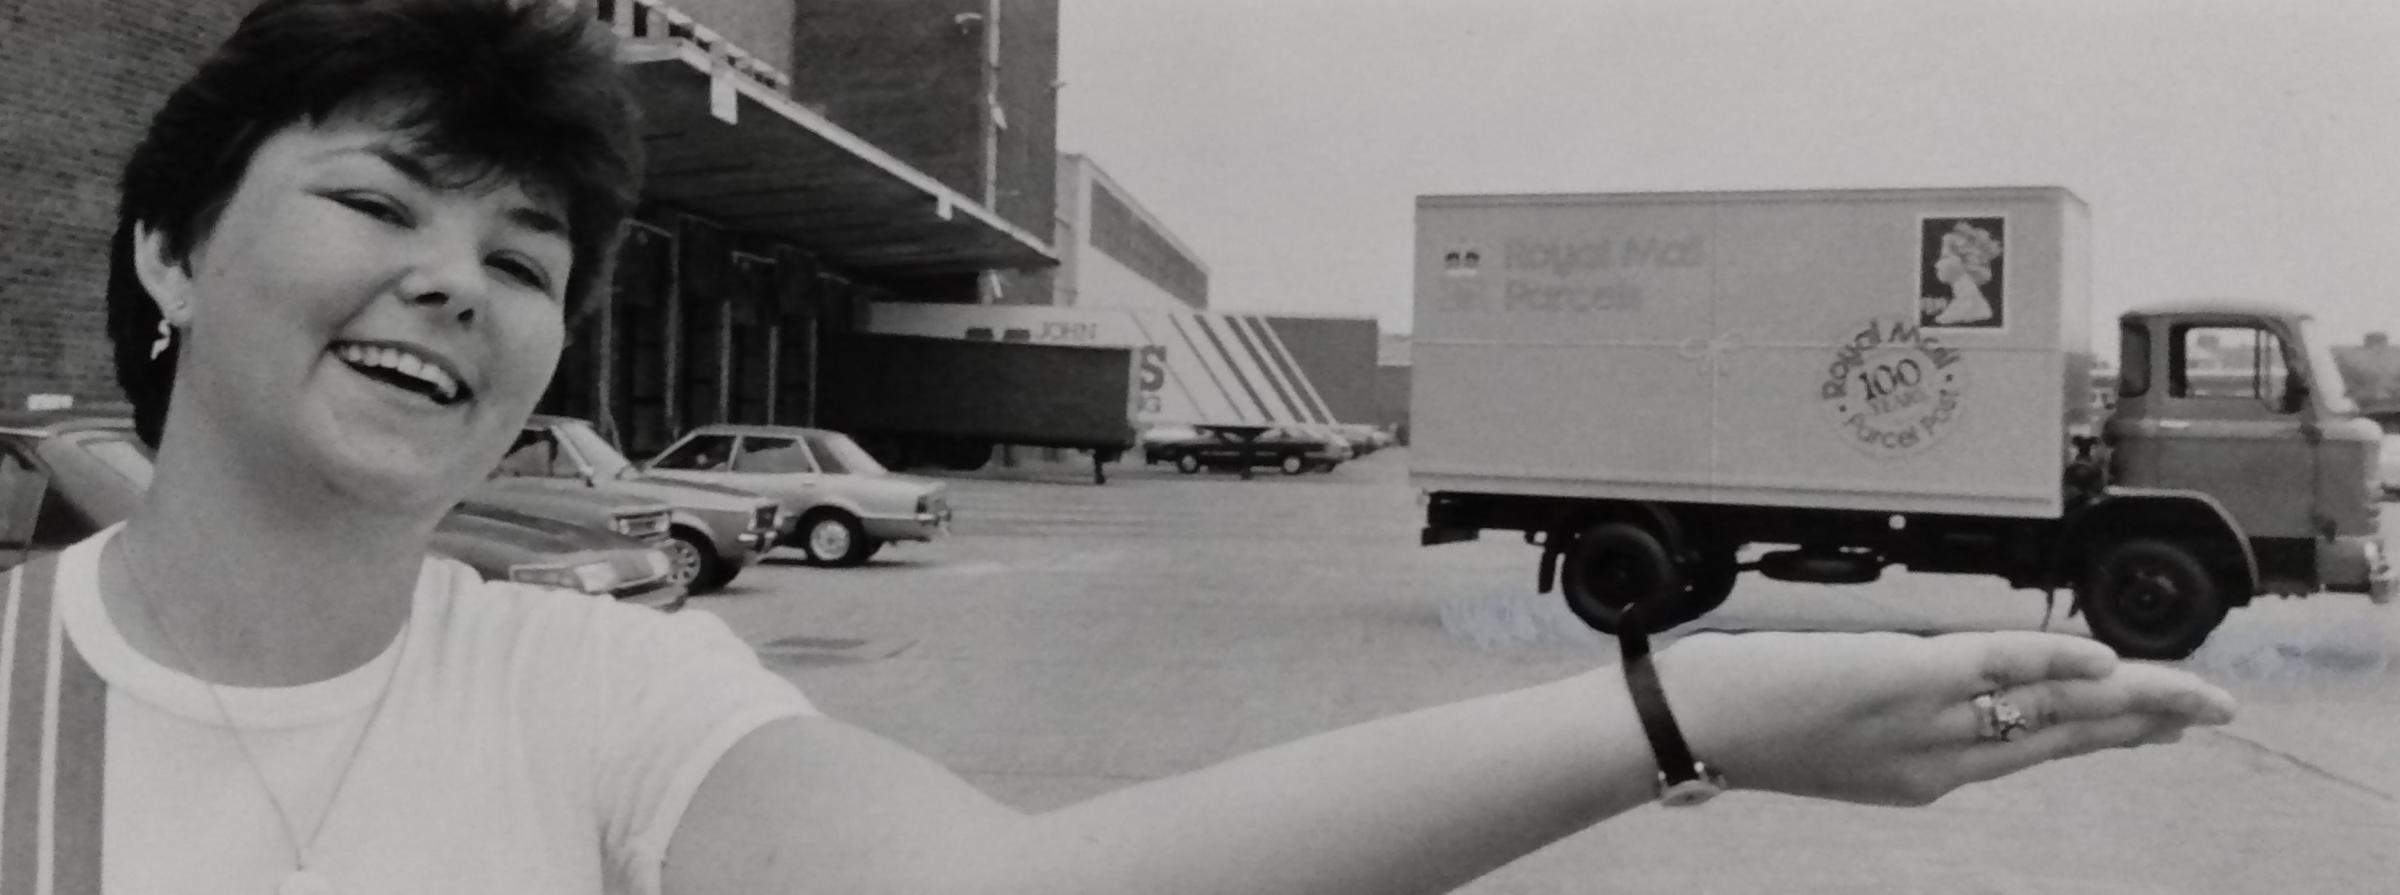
[712,533]
[848,505]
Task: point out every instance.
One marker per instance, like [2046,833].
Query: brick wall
[900,73]
[761,28]
[1028,151]
[80,80]
[910,77]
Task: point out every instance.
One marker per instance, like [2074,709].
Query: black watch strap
[1682,779]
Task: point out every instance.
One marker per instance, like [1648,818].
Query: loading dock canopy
[782,170]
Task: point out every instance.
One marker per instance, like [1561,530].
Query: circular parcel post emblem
[1893,388]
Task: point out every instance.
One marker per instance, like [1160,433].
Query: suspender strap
[51,737]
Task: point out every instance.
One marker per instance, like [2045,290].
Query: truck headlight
[594,577]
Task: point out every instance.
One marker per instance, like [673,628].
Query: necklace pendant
[305,882]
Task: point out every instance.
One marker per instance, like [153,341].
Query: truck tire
[1614,564]
[2151,599]
[1187,463]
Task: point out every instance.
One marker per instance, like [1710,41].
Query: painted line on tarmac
[2305,765]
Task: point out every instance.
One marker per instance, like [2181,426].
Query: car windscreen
[607,462]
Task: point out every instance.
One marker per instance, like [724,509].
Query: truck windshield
[606,461]
[2326,372]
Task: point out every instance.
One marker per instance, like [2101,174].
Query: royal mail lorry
[1663,391]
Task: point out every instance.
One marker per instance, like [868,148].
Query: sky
[2226,149]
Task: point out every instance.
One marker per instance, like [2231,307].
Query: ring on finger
[1997,719]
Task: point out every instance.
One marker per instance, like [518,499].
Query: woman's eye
[523,273]
[378,208]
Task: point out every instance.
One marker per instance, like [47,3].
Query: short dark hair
[524,89]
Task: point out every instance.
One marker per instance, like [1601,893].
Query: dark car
[65,476]
[1293,449]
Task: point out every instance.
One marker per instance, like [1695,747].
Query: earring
[166,338]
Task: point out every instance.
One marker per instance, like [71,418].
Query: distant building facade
[1113,253]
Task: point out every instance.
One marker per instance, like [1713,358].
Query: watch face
[1688,793]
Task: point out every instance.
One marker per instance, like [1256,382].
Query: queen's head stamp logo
[1962,275]
[1892,388]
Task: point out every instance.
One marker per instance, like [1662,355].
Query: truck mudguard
[2198,508]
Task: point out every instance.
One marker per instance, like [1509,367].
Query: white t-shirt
[534,741]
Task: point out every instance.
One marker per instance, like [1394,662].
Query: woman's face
[1948,268]
[353,321]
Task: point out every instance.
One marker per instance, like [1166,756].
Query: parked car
[712,532]
[847,504]
[67,475]
[1364,439]
[1160,443]
[2391,465]
[1293,449]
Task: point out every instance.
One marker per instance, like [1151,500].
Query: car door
[23,487]
[778,464]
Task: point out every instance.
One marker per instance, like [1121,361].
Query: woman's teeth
[411,371]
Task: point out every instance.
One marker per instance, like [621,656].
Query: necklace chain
[302,849]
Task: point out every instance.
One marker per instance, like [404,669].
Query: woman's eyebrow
[415,169]
[536,220]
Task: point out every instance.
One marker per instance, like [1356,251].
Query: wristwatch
[1682,779]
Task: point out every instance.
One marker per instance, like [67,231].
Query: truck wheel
[1187,464]
[833,538]
[692,561]
[2151,599]
[1614,565]
[1293,464]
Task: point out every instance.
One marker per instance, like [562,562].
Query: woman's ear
[168,279]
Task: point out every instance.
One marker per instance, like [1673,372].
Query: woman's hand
[1890,718]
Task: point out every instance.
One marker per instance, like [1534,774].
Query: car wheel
[833,538]
[1187,463]
[692,562]
[1614,565]
[1293,464]
[2151,599]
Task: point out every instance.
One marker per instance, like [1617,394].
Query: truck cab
[2242,403]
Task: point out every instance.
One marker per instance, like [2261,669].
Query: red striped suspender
[51,738]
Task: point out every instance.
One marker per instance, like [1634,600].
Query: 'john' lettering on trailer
[1069,331]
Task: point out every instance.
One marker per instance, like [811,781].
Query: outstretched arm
[1426,801]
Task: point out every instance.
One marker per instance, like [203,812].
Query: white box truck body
[1774,349]
[1647,385]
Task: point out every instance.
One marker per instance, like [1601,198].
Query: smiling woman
[345,251]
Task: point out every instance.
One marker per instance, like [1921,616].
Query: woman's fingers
[2136,705]
[1999,660]
[1989,760]
[2133,689]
